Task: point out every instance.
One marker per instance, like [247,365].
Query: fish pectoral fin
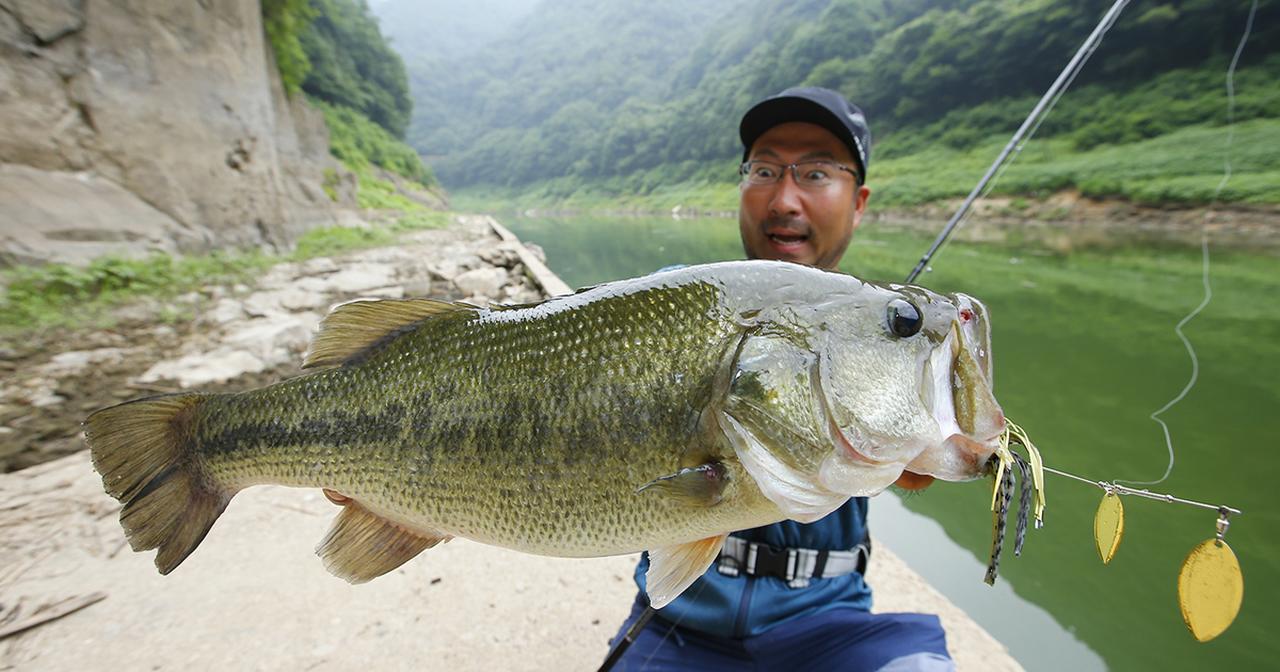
[674,568]
[798,496]
[702,485]
[354,327]
[362,545]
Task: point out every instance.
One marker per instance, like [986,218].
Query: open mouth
[785,238]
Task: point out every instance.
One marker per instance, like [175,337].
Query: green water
[1084,352]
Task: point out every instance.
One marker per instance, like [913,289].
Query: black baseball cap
[814,105]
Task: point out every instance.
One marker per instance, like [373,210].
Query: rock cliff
[136,125]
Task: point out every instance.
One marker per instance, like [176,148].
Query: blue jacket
[745,606]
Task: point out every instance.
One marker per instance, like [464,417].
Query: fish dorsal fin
[362,545]
[353,327]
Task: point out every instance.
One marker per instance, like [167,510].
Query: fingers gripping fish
[658,413]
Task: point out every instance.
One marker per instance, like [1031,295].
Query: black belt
[796,566]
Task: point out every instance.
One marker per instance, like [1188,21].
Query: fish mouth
[970,421]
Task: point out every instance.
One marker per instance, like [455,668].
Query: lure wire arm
[1115,488]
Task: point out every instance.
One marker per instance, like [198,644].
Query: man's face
[786,222]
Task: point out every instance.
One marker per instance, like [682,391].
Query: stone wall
[135,125]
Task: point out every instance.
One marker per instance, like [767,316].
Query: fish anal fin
[362,545]
[672,569]
[356,326]
[701,485]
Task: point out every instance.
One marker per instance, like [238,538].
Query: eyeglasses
[808,174]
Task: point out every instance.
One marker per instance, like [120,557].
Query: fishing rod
[1027,129]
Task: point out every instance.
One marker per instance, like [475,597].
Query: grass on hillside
[358,143]
[1182,168]
[61,295]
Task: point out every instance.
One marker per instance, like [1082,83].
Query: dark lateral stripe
[336,429]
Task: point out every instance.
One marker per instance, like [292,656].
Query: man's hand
[910,481]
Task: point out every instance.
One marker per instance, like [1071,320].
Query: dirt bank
[1068,220]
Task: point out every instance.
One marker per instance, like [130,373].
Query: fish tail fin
[145,452]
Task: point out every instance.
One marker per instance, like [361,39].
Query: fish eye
[904,318]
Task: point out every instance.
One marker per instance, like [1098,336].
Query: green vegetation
[352,66]
[61,295]
[1179,168]
[334,52]
[1182,168]
[565,109]
[358,142]
[284,22]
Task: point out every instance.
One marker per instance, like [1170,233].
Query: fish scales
[465,418]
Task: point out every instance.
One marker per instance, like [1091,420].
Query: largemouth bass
[657,413]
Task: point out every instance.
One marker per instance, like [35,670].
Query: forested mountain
[333,51]
[650,92]
[441,29]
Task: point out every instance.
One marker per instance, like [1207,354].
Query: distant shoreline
[1090,222]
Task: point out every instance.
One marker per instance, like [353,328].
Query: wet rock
[226,310]
[142,310]
[445,270]
[395,292]
[360,278]
[274,340]
[287,299]
[467,262]
[486,281]
[194,370]
[320,266]
[76,361]
[314,285]
[504,255]
[279,276]
[417,286]
[44,399]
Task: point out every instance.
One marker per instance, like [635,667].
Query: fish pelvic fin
[145,453]
[362,545]
[357,327]
[672,569]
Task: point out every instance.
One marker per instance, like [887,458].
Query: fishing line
[1204,251]
[670,631]
[1195,364]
